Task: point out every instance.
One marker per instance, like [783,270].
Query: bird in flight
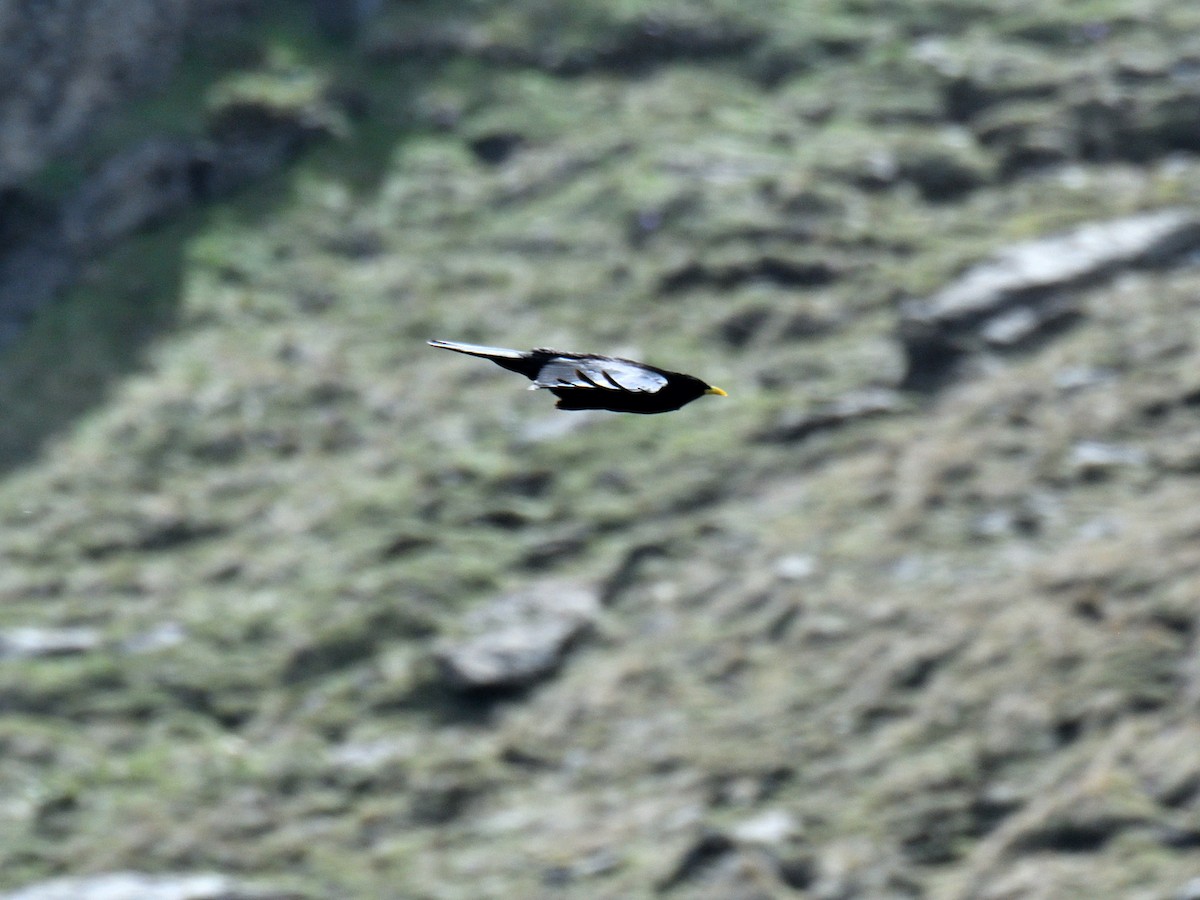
[588,381]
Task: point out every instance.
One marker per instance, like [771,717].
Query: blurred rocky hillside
[292,606]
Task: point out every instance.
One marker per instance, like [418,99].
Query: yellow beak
[717,391]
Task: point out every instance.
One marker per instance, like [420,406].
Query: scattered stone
[519,638]
[772,828]
[160,637]
[1100,528]
[1007,522]
[36,643]
[138,886]
[1094,459]
[1018,293]
[795,567]
[848,408]
[1076,378]
[1016,328]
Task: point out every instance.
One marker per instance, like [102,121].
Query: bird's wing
[601,374]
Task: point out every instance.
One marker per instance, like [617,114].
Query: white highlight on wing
[477,350]
[605,375]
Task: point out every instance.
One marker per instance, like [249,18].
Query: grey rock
[32,643]
[1016,327]
[1003,523]
[67,62]
[519,638]
[1051,263]
[771,828]
[141,186]
[1076,378]
[1023,290]
[133,189]
[159,637]
[1091,459]
[66,65]
[795,567]
[146,183]
[138,886]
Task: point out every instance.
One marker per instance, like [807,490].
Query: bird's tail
[513,360]
[477,350]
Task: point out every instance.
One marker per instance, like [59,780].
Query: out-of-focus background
[293,606]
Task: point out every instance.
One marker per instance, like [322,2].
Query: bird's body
[590,381]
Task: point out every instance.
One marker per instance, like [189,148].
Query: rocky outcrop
[66,62]
[66,65]
[1025,289]
[519,638]
[136,188]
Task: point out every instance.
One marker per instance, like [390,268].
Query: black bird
[588,381]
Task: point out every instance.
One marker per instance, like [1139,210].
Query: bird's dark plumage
[588,381]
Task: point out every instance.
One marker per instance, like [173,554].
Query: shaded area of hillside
[254,85]
[299,602]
